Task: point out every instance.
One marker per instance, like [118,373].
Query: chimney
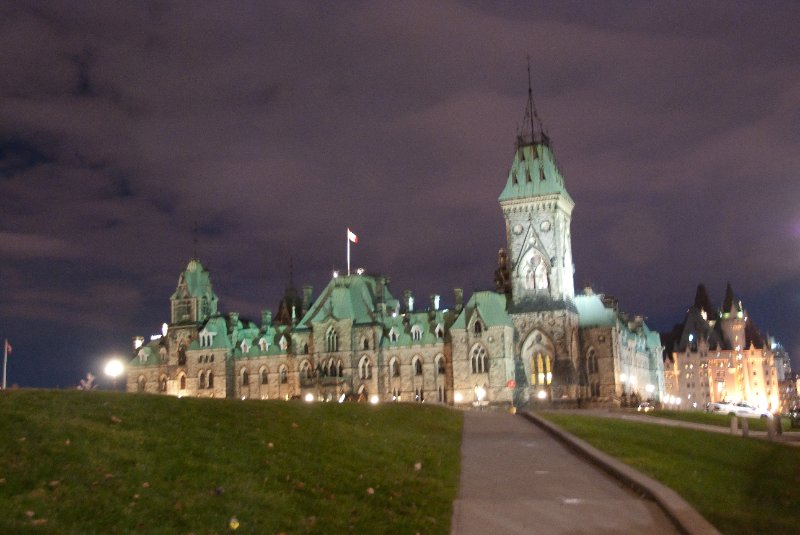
[408,300]
[266,319]
[434,301]
[459,295]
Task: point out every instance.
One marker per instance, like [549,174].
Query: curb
[683,515]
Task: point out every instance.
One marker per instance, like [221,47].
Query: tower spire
[194,241]
[532,120]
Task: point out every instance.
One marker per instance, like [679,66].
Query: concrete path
[515,478]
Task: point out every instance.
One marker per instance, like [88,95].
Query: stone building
[530,339]
[720,355]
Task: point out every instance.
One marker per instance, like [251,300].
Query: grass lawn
[717,419]
[107,462]
[740,485]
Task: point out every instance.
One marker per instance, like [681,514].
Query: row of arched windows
[416,366]
[205,380]
[263,376]
[478,359]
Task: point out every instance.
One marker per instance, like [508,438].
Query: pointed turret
[194,300]
[702,302]
[731,306]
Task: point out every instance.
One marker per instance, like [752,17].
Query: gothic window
[441,394]
[200,359]
[394,367]
[182,355]
[365,368]
[245,377]
[479,363]
[417,365]
[591,361]
[340,368]
[245,347]
[440,365]
[284,343]
[140,384]
[416,333]
[366,343]
[439,332]
[528,176]
[395,394]
[542,373]
[331,340]
[263,344]
[264,376]
[477,329]
[305,349]
[419,395]
[393,335]
[514,178]
[201,380]
[210,379]
[306,371]
[162,384]
[183,382]
[212,357]
[283,373]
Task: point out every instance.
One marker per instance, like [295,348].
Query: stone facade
[531,340]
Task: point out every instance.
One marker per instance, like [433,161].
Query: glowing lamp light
[164,328]
[335,274]
[542,394]
[650,388]
[114,368]
[480,393]
[341,398]
[309,397]
[623,377]
[458,398]
[374,399]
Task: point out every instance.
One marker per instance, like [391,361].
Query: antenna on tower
[532,118]
[194,240]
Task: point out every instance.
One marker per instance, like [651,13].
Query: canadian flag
[352,236]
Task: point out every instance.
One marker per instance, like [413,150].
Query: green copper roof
[533,173]
[593,313]
[349,297]
[197,281]
[490,306]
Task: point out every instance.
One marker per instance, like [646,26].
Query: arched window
[392,335]
[477,329]
[395,394]
[264,376]
[283,375]
[441,394]
[162,384]
[365,368]
[394,367]
[591,360]
[202,380]
[182,355]
[542,373]
[417,365]
[306,371]
[331,340]
[141,383]
[440,365]
[210,379]
[439,332]
[183,382]
[479,363]
[366,343]
[245,377]
[340,368]
[305,349]
[416,333]
[419,395]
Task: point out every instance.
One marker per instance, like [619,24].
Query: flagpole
[5,359]
[348,252]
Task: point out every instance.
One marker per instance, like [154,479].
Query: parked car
[714,407]
[645,407]
[746,410]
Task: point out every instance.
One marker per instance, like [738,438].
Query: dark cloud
[270,128]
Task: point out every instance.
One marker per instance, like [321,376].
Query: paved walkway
[515,478]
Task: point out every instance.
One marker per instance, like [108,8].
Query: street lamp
[114,368]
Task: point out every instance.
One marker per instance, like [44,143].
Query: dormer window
[245,346]
[416,333]
[263,343]
[206,337]
[439,332]
[142,355]
[392,335]
[284,342]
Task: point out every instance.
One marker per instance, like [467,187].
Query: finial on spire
[194,240]
[532,119]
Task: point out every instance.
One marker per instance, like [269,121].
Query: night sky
[273,126]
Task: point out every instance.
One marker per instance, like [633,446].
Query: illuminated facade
[719,355]
[531,339]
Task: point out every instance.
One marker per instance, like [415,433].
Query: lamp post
[114,368]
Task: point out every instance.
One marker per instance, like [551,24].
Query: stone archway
[538,357]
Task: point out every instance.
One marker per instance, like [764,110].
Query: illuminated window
[416,333]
